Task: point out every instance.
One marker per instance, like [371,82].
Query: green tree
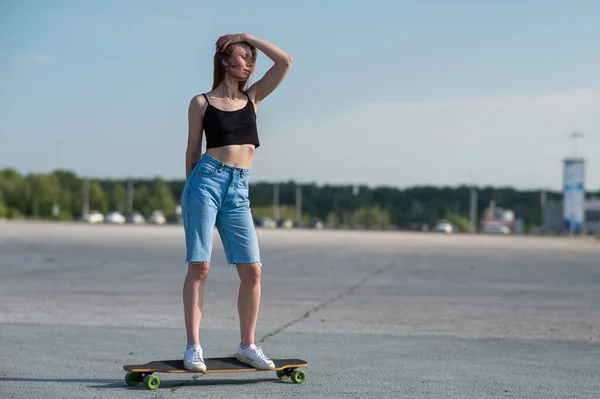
[45,193]
[162,197]
[71,194]
[339,206]
[141,200]
[117,197]
[98,200]
[332,221]
[16,192]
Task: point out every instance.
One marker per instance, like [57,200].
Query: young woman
[216,190]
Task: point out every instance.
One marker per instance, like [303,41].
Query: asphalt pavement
[375,314]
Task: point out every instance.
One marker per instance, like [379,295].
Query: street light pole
[298,203]
[575,136]
[276,201]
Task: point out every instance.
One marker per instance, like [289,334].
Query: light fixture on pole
[575,136]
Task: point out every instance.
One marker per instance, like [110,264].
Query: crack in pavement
[348,290]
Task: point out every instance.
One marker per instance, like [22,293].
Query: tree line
[62,195]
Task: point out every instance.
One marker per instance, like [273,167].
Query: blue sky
[396,93]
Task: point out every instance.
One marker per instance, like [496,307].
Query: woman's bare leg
[193,296]
[248,300]
[248,304]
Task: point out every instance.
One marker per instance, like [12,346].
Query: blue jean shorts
[216,195]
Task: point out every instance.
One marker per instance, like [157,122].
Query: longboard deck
[143,373]
[213,365]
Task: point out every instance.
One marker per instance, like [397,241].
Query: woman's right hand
[228,39]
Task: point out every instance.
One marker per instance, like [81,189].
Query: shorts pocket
[207,170]
[243,182]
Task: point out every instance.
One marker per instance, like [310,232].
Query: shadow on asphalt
[173,384]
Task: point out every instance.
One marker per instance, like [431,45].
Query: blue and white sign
[573,194]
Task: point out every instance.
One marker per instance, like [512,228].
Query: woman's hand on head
[228,39]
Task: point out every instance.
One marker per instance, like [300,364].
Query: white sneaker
[255,357]
[192,360]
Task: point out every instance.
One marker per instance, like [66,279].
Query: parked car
[285,224]
[135,218]
[266,223]
[418,226]
[316,224]
[495,229]
[445,226]
[157,217]
[114,218]
[92,217]
[175,219]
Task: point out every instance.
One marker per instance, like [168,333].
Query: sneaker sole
[253,364]
[191,367]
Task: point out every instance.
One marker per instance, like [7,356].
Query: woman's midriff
[240,155]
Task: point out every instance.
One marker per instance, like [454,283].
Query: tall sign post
[573,194]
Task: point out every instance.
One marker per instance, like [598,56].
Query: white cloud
[511,140]
[39,58]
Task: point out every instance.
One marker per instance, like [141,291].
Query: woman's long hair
[219,70]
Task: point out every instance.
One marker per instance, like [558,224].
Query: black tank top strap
[204,95]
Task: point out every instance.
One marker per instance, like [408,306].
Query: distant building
[592,216]
[552,217]
[553,221]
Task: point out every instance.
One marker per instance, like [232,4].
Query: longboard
[286,368]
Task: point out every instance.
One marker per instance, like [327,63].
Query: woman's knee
[198,270]
[249,273]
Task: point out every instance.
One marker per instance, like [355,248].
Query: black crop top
[230,127]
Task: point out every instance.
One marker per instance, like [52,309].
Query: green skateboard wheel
[298,376]
[151,382]
[282,375]
[132,379]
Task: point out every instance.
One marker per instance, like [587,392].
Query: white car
[157,217]
[444,226]
[266,223]
[135,218]
[92,217]
[114,218]
[496,229]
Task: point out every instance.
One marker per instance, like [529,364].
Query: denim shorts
[216,195]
